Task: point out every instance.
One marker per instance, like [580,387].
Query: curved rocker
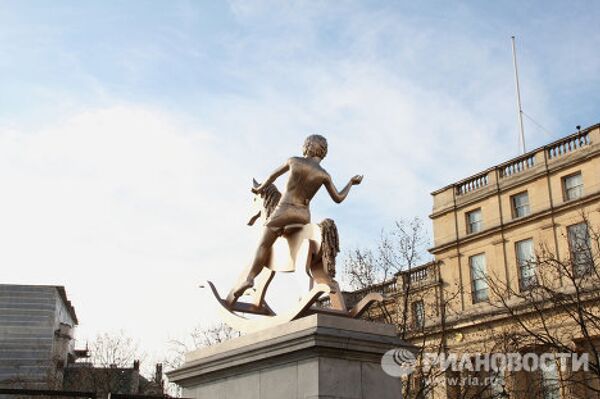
[270,319]
[246,325]
[363,305]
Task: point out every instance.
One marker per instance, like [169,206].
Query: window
[550,382]
[520,205]
[579,244]
[573,186]
[418,311]
[526,264]
[474,223]
[478,278]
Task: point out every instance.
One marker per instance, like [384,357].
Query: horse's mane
[271,197]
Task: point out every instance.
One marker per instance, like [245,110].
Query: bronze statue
[306,178]
[287,215]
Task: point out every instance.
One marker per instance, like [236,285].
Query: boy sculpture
[291,212]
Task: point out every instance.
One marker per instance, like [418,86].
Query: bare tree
[552,308]
[200,337]
[419,303]
[398,249]
[428,329]
[113,366]
[114,350]
[555,305]
[391,268]
[361,269]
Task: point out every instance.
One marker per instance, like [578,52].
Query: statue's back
[305,179]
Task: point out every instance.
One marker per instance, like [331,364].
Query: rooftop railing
[517,166]
[410,279]
[525,162]
[569,144]
[472,184]
[386,288]
[420,276]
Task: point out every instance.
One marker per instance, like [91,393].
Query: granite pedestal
[318,356]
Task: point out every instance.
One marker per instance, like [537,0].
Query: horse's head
[264,203]
[257,205]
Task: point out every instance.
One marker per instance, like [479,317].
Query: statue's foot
[239,291]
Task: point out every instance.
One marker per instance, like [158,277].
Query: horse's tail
[330,245]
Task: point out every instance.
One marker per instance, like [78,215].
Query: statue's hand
[356,180]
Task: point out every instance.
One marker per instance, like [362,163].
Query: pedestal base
[318,356]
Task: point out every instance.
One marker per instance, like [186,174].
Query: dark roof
[122,380]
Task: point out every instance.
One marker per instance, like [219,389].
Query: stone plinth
[318,356]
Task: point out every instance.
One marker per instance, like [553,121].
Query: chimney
[136,365]
[158,376]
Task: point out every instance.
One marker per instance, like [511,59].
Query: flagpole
[519,108]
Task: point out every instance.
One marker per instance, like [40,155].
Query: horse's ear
[255,183]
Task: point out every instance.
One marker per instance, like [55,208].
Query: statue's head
[315,145]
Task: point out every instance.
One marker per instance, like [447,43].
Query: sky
[130,131]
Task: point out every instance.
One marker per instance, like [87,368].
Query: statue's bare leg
[261,283]
[261,259]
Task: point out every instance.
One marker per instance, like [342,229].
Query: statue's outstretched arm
[339,196]
[276,173]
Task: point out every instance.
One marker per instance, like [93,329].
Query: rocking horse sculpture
[287,216]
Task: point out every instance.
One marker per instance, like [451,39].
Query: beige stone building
[513,246]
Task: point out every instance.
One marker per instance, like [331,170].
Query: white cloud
[126,206]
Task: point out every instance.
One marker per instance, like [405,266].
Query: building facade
[36,335]
[515,244]
[489,222]
[516,270]
[37,348]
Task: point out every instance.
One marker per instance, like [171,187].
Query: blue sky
[130,131]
